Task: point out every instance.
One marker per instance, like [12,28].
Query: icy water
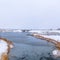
[28,48]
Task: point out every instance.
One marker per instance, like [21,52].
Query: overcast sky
[29,14]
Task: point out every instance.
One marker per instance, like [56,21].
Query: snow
[56,53]
[55,37]
[3,47]
[44,33]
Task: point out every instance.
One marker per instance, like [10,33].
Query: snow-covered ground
[55,37]
[3,47]
[54,34]
[46,31]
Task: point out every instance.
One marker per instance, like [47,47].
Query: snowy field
[45,31]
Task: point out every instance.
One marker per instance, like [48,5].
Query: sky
[29,14]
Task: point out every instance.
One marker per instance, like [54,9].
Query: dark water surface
[29,48]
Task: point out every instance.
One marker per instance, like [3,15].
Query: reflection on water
[29,48]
